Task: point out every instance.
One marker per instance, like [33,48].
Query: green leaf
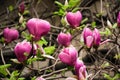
[33,78]
[106,64]
[75,9]
[26,12]
[117,56]
[73,3]
[2,40]
[65,7]
[42,42]
[108,32]
[14,75]
[26,36]
[49,50]
[39,55]
[3,69]
[107,76]
[116,77]
[23,24]
[10,8]
[31,60]
[21,78]
[102,33]
[70,67]
[93,24]
[114,25]
[49,70]
[84,20]
[58,3]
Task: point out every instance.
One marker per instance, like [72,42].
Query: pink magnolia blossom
[74,19]
[38,27]
[64,39]
[97,38]
[88,37]
[68,55]
[91,38]
[22,50]
[80,70]
[118,19]
[10,34]
[21,7]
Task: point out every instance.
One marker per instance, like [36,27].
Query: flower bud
[38,27]
[21,19]
[87,37]
[80,70]
[118,19]
[109,24]
[64,39]
[97,38]
[22,50]
[39,78]
[68,55]
[10,34]
[22,7]
[74,19]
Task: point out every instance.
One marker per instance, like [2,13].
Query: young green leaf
[93,24]
[108,32]
[58,3]
[31,60]
[10,8]
[33,78]
[3,69]
[14,75]
[117,56]
[117,76]
[107,76]
[26,36]
[73,3]
[49,50]
[114,25]
[42,42]
[106,64]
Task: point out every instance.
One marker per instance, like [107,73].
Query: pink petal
[89,41]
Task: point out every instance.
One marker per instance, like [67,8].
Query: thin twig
[55,72]
[3,60]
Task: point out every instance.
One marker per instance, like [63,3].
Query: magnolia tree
[31,45]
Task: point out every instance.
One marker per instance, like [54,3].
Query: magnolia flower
[88,37]
[21,7]
[68,55]
[22,50]
[64,39]
[80,70]
[38,27]
[10,34]
[97,38]
[118,19]
[91,38]
[74,19]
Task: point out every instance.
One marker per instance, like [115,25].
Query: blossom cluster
[68,55]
